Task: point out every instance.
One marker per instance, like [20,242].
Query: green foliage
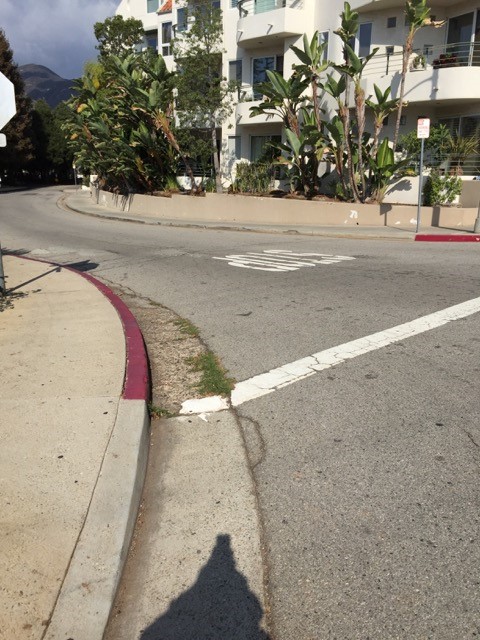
[18,153]
[214,380]
[205,98]
[53,159]
[120,124]
[117,36]
[434,144]
[253,177]
[440,189]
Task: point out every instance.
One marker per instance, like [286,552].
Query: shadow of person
[219,606]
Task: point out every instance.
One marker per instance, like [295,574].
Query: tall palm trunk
[407,51]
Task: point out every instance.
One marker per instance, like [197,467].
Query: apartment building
[443,82]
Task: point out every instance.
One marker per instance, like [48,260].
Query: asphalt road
[367,472]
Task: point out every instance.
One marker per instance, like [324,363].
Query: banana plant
[282,97]
[381,109]
[312,57]
[382,168]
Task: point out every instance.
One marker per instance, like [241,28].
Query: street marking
[280,377]
[278,260]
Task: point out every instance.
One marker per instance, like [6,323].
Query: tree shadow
[219,606]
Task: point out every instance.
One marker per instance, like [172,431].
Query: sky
[55,33]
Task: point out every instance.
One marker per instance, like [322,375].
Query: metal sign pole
[423,131]
[420,181]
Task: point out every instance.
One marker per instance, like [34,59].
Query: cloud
[59,36]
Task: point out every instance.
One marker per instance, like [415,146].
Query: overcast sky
[55,33]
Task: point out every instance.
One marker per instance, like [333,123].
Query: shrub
[254,177]
[440,189]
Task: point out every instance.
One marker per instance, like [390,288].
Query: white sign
[423,128]
[3,140]
[8,107]
[280,260]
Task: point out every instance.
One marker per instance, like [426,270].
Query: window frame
[154,3]
[165,46]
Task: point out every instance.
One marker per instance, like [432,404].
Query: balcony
[248,98]
[264,21]
[438,74]
[365,6]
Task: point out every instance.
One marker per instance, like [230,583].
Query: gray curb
[89,588]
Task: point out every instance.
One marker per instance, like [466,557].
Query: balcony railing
[449,164]
[458,54]
[252,7]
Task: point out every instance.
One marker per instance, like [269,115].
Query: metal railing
[449,164]
[252,7]
[457,54]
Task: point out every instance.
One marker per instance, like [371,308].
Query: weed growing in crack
[214,380]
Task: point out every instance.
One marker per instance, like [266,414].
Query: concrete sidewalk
[72,455]
[81,201]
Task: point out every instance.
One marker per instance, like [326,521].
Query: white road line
[280,377]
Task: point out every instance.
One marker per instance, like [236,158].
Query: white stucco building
[258,35]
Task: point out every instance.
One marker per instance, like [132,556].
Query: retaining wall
[245,210]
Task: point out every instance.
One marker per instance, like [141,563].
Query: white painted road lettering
[294,371]
[279,260]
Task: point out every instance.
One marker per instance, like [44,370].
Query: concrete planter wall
[251,210]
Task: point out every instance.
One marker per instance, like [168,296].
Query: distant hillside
[41,82]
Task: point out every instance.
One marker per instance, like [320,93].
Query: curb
[183,224]
[86,596]
[446,237]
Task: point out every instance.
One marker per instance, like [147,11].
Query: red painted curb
[446,237]
[136,385]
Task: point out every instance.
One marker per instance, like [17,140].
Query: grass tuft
[214,379]
[187,327]
[159,412]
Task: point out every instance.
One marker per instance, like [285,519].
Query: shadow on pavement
[84,265]
[23,284]
[219,606]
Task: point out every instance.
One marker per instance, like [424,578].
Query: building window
[166,38]
[181,20]
[151,39]
[364,39]
[323,39]
[152,6]
[235,73]
[235,70]
[233,4]
[391,22]
[260,68]
[260,147]
[234,148]
[403,121]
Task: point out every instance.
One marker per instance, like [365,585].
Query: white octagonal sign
[7,100]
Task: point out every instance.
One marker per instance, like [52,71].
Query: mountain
[41,82]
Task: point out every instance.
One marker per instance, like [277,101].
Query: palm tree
[416,12]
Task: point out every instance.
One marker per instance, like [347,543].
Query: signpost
[423,132]
[8,109]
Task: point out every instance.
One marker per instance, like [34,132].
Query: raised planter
[253,210]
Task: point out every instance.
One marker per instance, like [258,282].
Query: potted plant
[419,62]
[445,60]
